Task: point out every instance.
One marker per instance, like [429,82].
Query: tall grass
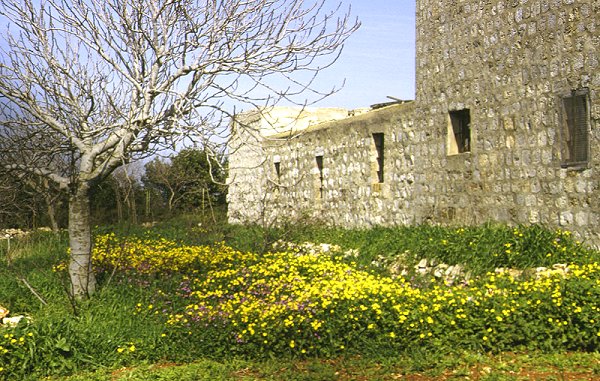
[125,322]
[26,268]
[480,249]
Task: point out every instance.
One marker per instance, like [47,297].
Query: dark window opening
[378,139]
[319,160]
[277,166]
[576,129]
[278,170]
[461,128]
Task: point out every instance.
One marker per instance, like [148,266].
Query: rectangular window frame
[379,143]
[575,127]
[459,131]
[319,163]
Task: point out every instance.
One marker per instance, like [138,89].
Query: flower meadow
[312,300]
[183,301]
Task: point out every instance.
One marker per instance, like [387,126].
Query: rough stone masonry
[503,128]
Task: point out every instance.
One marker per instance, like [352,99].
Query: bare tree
[159,175]
[39,187]
[126,186]
[102,82]
[190,179]
[11,204]
[26,201]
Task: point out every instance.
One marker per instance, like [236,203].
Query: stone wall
[248,176]
[510,63]
[343,189]
[487,138]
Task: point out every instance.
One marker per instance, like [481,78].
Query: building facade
[503,128]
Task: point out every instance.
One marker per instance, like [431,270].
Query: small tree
[127,188]
[100,82]
[158,178]
[206,173]
[28,201]
[190,180]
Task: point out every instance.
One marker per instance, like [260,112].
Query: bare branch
[87,85]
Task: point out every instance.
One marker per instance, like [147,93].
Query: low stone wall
[343,188]
[16,233]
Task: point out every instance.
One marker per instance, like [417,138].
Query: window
[319,160]
[378,140]
[278,170]
[576,128]
[459,132]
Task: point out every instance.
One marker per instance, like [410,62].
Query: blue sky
[379,59]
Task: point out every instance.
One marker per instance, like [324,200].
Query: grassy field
[184,300]
[468,366]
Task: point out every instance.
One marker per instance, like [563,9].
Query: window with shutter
[576,129]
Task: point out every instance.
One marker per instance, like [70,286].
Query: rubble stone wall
[346,189]
[509,64]
[248,175]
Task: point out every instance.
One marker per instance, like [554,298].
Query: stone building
[503,128]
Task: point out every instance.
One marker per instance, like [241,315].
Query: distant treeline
[189,181]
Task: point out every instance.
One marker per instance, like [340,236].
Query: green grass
[117,335]
[481,248]
[523,367]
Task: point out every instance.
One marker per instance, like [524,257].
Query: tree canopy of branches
[88,85]
[191,180]
[29,202]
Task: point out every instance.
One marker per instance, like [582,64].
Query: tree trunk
[83,281]
[171,198]
[119,203]
[51,210]
[147,209]
[131,205]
